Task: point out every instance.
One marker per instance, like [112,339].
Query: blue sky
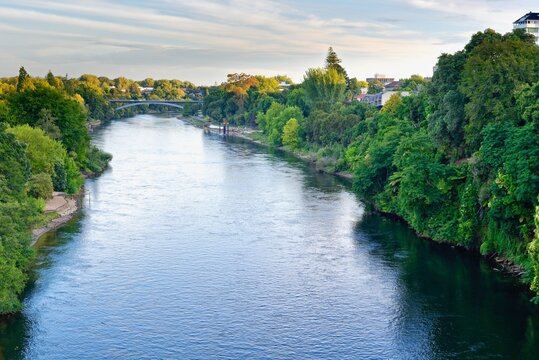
[203,40]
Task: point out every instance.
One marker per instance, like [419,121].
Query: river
[192,246]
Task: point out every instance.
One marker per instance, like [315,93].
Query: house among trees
[392,86]
[530,23]
[380,99]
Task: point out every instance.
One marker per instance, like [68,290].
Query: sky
[204,40]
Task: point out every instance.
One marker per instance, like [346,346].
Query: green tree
[42,151]
[40,186]
[291,134]
[324,87]
[54,81]
[17,214]
[533,251]
[47,123]
[495,69]
[24,81]
[334,62]
[392,104]
[375,87]
[69,115]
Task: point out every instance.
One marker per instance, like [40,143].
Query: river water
[196,247]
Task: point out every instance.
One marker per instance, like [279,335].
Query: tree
[375,87]
[274,120]
[324,87]
[42,151]
[446,124]
[414,83]
[533,251]
[40,186]
[392,104]
[238,85]
[496,67]
[24,81]
[17,214]
[47,123]
[70,116]
[333,62]
[54,81]
[291,134]
[148,82]
[356,86]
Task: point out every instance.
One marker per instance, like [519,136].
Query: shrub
[40,186]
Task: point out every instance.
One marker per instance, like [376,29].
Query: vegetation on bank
[458,159]
[45,147]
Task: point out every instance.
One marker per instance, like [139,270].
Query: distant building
[529,22]
[381,78]
[145,90]
[380,99]
[392,86]
[283,85]
[359,97]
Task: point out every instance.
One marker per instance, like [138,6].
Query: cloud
[492,13]
[189,37]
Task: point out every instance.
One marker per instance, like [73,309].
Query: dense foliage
[44,146]
[458,159]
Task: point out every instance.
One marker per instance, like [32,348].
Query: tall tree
[334,62]
[23,81]
[324,87]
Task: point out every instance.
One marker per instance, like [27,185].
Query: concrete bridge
[172,103]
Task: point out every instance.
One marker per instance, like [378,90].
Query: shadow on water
[15,330]
[466,309]
[474,311]
[314,179]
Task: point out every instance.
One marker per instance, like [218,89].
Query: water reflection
[193,246]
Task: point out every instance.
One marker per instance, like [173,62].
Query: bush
[98,160]
[74,178]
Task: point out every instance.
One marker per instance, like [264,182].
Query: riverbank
[255,136]
[497,262]
[65,207]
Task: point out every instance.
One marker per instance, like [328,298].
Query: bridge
[172,103]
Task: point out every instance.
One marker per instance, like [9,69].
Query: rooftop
[528,16]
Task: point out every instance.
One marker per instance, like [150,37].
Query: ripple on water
[193,247]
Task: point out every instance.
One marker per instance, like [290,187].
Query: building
[380,99]
[392,86]
[145,90]
[530,23]
[284,85]
[381,78]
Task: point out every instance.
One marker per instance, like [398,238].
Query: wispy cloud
[198,40]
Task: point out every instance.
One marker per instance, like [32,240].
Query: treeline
[458,159]
[97,91]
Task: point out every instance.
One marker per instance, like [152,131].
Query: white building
[380,99]
[529,22]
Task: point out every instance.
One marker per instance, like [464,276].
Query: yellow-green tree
[42,151]
[390,107]
[291,134]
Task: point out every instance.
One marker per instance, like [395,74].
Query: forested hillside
[458,159]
